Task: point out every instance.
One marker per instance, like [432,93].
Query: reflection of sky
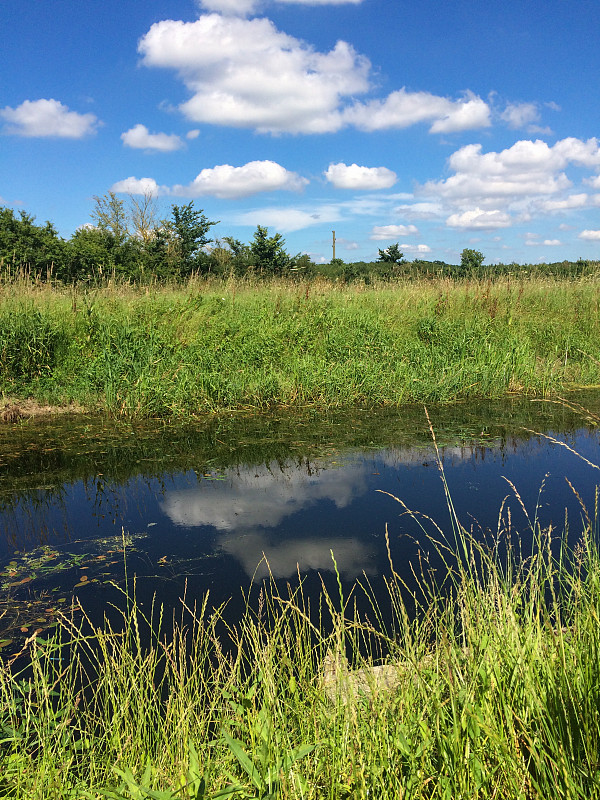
[262,496]
[251,506]
[253,499]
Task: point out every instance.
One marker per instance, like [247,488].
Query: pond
[87,503]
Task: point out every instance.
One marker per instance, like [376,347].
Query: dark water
[221,505]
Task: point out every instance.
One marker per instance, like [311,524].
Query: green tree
[471,260]
[110,215]
[268,253]
[23,244]
[391,255]
[188,230]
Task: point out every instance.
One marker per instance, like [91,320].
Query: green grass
[494,689]
[176,352]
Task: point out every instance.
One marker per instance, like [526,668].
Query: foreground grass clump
[212,345]
[491,690]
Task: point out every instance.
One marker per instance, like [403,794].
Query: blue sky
[437,125]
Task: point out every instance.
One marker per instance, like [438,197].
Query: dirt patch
[17,410]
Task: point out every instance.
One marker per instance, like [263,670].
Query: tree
[391,255]
[142,215]
[189,229]
[109,215]
[267,252]
[25,244]
[471,260]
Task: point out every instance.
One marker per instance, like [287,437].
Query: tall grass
[490,690]
[214,345]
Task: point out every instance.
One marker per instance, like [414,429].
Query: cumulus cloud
[590,236]
[140,138]
[528,170]
[245,73]
[47,118]
[478,219]
[144,186]
[381,233]
[401,108]
[225,181]
[572,201]
[343,176]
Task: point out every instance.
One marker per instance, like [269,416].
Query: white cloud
[140,138]
[193,134]
[47,118]
[384,232]
[343,176]
[288,220]
[524,116]
[133,185]
[590,236]
[415,249]
[478,219]
[467,114]
[572,201]
[521,178]
[247,74]
[225,181]
[532,241]
[401,108]
[593,182]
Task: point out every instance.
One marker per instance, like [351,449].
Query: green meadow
[212,344]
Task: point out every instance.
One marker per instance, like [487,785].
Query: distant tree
[268,253]
[25,244]
[471,259]
[188,230]
[143,216]
[391,255]
[109,215]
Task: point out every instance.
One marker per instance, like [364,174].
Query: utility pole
[333,245]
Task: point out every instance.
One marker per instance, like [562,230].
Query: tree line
[130,242]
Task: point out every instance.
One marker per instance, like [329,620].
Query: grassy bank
[491,691]
[180,351]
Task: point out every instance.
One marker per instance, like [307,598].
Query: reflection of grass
[181,351]
[492,690]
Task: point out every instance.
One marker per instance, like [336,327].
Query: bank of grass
[213,345]
[491,690]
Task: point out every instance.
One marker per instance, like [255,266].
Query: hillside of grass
[210,345]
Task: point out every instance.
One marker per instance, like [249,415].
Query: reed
[488,687]
[178,351]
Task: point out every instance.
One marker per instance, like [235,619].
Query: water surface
[219,506]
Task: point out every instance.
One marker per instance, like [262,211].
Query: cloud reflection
[263,496]
[259,556]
